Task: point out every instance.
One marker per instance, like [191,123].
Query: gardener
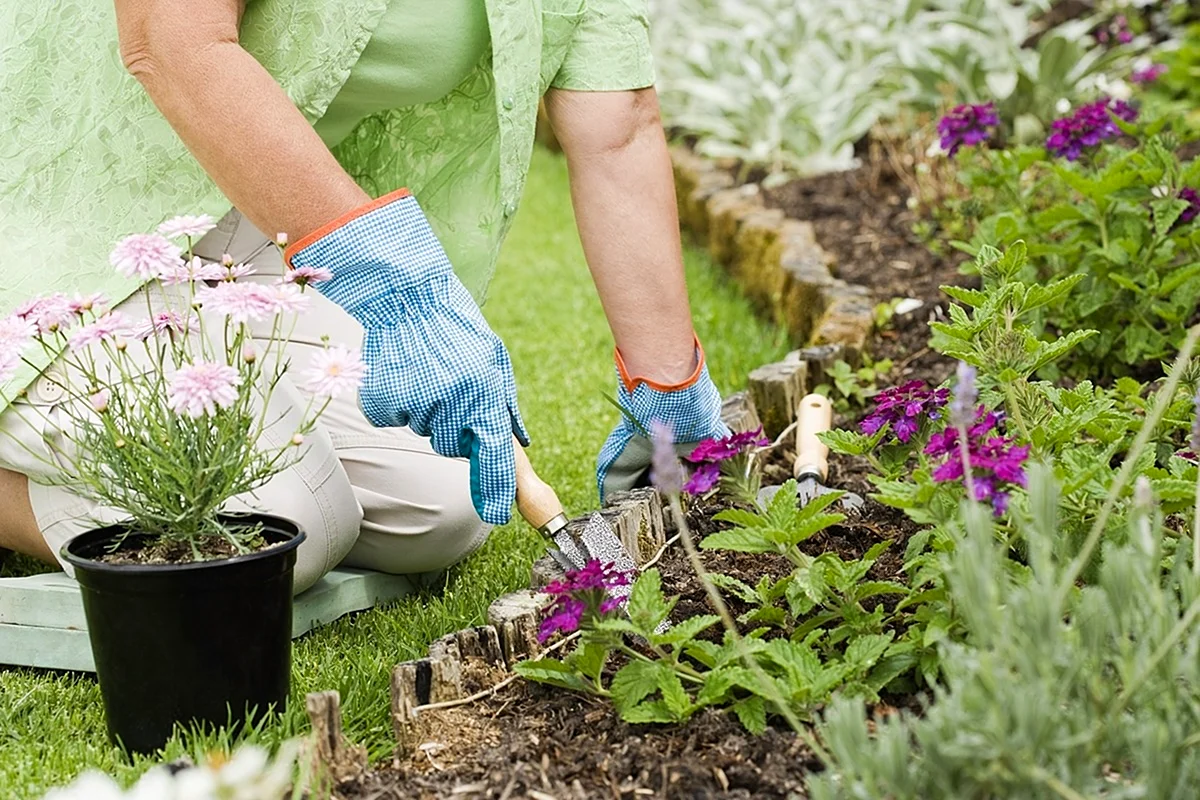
[287,110]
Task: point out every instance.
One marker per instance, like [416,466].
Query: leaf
[847,442]
[553,672]
[743,592]
[740,540]
[634,682]
[653,711]
[674,695]
[865,651]
[752,713]
[686,630]
[647,606]
[889,668]
[1167,211]
[589,659]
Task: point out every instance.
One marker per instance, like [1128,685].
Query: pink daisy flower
[199,389]
[238,301]
[49,314]
[16,332]
[289,299]
[91,302]
[112,325]
[100,399]
[187,225]
[166,322]
[144,255]
[231,272]
[191,271]
[306,275]
[9,361]
[334,371]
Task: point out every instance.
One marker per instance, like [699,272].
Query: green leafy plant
[850,388]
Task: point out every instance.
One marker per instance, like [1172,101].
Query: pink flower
[92,302]
[238,301]
[334,371]
[191,271]
[199,389]
[144,255]
[186,225]
[231,272]
[307,275]
[166,322]
[110,326]
[49,314]
[289,299]
[100,399]
[15,333]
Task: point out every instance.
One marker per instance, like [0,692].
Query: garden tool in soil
[814,415]
[539,505]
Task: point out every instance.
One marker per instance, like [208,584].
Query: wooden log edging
[777,260]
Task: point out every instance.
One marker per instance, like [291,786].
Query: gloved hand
[433,364]
[693,409]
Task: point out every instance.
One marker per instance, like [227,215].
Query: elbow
[161,51]
[635,115]
[591,124]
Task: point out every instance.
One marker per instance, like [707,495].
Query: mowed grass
[544,306]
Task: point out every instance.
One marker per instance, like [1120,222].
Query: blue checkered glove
[433,364]
[692,408]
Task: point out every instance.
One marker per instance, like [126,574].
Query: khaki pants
[378,498]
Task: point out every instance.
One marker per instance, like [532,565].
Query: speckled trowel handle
[814,415]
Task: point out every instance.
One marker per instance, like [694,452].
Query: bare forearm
[234,117]
[624,197]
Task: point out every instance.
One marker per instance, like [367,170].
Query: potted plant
[188,606]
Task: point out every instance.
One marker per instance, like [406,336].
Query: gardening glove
[692,408]
[433,364]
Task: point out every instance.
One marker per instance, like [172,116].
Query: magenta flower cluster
[711,453]
[1118,29]
[968,125]
[904,407]
[1088,126]
[581,595]
[1148,74]
[1193,210]
[997,463]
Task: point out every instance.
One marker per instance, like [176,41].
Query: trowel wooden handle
[813,416]
[536,500]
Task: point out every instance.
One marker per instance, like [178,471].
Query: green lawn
[543,305]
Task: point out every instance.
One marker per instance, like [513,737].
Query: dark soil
[160,550]
[862,218]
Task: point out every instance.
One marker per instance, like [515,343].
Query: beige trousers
[377,498]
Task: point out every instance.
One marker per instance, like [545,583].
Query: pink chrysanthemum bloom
[9,361]
[191,271]
[289,299]
[231,272]
[306,275]
[334,371]
[16,332]
[111,326]
[145,256]
[240,302]
[49,314]
[166,322]
[100,400]
[199,389]
[88,302]
[187,225]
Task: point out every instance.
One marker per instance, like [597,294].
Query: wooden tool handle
[536,500]
[813,416]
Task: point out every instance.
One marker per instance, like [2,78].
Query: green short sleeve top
[85,158]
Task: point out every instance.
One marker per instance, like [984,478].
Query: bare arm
[232,115]
[624,197]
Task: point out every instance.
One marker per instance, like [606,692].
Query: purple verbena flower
[711,453]
[1193,199]
[968,125]
[1148,74]
[581,596]
[1087,127]
[997,463]
[904,408]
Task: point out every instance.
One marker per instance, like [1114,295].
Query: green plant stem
[1015,407]
[1181,627]
[1055,785]
[1161,402]
[1196,529]
[768,685]
[682,670]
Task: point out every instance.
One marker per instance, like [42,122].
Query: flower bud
[297,440]
[121,344]
[99,400]
[226,260]
[962,407]
[119,443]
[281,239]
[666,473]
[248,354]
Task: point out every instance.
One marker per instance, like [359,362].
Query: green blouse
[85,158]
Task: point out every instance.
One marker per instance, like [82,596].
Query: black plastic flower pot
[207,642]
